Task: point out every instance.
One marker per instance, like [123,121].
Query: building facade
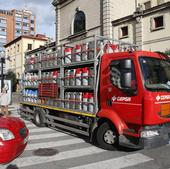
[77,18]
[148,28]
[14,23]
[143,22]
[15,51]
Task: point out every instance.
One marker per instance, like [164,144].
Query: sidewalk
[14,107]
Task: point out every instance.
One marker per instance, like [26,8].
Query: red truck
[117,98]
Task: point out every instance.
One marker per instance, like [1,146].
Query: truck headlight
[6,135]
[149,133]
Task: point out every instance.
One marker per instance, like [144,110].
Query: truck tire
[107,137]
[39,119]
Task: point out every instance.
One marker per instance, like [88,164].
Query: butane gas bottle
[55,76]
[78,53]
[67,98]
[67,77]
[72,100]
[78,100]
[78,75]
[67,53]
[91,102]
[85,76]
[85,98]
[85,48]
[72,77]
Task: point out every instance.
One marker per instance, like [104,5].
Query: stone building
[144,22]
[79,18]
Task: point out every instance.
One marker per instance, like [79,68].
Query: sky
[43,9]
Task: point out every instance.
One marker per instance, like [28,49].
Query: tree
[167,52]
[12,76]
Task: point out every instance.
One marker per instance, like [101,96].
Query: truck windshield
[156,73]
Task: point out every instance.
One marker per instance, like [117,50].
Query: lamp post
[2,61]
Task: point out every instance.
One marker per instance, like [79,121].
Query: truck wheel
[107,137]
[39,119]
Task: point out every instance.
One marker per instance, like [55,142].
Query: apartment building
[14,23]
[15,51]
[144,22]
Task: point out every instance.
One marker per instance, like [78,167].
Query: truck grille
[23,132]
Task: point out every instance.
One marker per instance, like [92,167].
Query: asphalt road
[48,148]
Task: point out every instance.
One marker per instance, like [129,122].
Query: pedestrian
[4,102]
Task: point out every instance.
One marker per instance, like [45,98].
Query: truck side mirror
[126,64]
[126,78]
[128,84]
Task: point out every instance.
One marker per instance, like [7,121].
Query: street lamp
[2,61]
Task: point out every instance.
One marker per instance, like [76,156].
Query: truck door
[120,90]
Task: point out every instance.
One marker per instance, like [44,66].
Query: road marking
[36,130]
[34,160]
[54,144]
[117,163]
[44,136]
[31,125]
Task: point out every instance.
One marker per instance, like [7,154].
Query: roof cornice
[58,2]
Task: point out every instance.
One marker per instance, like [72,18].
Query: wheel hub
[109,137]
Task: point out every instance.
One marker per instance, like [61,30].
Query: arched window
[79,22]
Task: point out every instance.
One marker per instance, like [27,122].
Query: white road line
[31,125]
[54,144]
[40,130]
[34,160]
[117,163]
[44,136]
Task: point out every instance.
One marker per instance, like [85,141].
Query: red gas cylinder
[85,98]
[67,53]
[78,53]
[85,76]
[91,102]
[111,48]
[78,75]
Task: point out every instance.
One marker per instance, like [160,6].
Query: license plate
[26,140]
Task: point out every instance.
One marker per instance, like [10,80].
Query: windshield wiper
[158,89]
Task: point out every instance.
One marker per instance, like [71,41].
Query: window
[159,2]
[25,17]
[3,21]
[25,24]
[157,23]
[29,46]
[147,5]
[79,22]
[3,29]
[18,48]
[25,32]
[32,29]
[117,71]
[123,32]
[32,21]
[18,23]
[18,31]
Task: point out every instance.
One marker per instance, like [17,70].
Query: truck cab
[135,97]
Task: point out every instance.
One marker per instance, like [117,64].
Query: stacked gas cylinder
[79,77]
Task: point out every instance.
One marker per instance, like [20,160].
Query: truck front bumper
[161,139]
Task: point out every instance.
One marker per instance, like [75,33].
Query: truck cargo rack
[73,67]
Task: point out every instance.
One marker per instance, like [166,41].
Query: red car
[13,138]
